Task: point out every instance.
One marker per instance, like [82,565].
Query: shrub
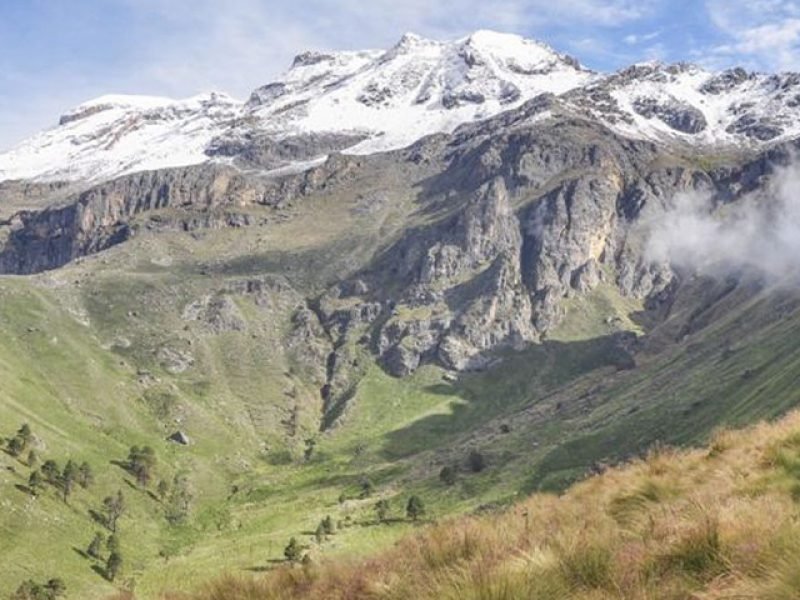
[447,475]
[415,508]
[477,462]
[293,551]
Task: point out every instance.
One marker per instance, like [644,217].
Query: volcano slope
[340,335]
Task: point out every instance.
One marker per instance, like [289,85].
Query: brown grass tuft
[718,523]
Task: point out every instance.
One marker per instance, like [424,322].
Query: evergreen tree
[319,534]
[328,526]
[180,499]
[311,445]
[25,434]
[30,590]
[476,461]
[366,488]
[382,510]
[96,545]
[51,472]
[27,590]
[113,565]
[85,475]
[69,478]
[35,483]
[55,588]
[162,489]
[448,475]
[293,551]
[415,508]
[21,441]
[15,446]
[141,463]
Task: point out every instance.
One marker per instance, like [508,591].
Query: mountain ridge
[361,102]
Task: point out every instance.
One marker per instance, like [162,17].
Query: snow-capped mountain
[380,99]
[374,100]
[418,87]
[113,135]
[683,102]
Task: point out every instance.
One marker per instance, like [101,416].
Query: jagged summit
[368,101]
[362,101]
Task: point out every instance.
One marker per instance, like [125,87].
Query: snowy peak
[367,101]
[148,105]
[687,104]
[358,101]
[118,134]
[417,87]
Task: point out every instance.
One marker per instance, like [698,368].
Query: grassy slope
[79,361]
[62,380]
[712,523]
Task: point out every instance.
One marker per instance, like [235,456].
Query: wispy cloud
[634,39]
[761,232]
[762,34]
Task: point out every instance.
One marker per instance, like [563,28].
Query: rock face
[105,215]
[532,216]
[179,438]
[512,216]
[679,116]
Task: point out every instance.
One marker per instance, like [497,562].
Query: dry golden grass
[706,524]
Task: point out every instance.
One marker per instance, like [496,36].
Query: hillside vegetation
[710,523]
[337,342]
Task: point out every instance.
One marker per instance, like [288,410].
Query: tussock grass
[714,523]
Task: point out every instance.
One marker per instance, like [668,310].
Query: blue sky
[55,54]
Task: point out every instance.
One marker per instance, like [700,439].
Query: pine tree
[293,551]
[328,526]
[35,483]
[382,509]
[366,488]
[69,478]
[311,445]
[85,475]
[15,446]
[55,588]
[28,590]
[448,475]
[415,508]
[51,472]
[319,534]
[96,545]
[141,462]
[162,489]
[180,499]
[113,565]
[476,461]
[25,434]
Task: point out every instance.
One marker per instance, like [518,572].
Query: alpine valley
[461,272]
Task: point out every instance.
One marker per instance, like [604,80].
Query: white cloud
[759,232]
[763,34]
[633,39]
